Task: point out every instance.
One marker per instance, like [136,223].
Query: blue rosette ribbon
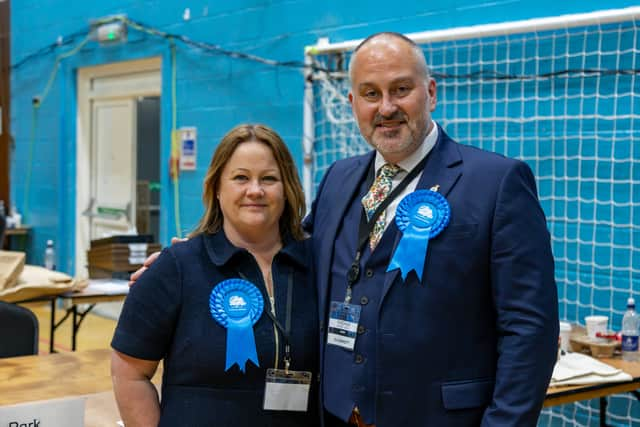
[420,216]
[237,305]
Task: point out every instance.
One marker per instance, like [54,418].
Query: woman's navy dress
[166,316]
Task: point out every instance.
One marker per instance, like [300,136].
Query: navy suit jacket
[475,342]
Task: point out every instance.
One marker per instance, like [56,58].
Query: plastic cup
[596,324]
[565,336]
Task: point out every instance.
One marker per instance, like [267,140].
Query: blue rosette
[420,216]
[237,305]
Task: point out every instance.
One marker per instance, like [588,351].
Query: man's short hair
[391,34]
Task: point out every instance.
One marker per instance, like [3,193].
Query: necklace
[269,283]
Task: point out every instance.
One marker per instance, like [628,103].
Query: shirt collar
[414,158]
[221,250]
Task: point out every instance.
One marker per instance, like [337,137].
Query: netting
[566,101]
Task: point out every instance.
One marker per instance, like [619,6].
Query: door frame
[127,79]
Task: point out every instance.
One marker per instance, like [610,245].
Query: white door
[113,168]
[106,147]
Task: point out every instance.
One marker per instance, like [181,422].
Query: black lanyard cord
[366,226]
[286,333]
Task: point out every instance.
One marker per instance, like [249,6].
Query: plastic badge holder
[287,390]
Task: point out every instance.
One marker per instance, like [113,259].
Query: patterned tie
[379,191]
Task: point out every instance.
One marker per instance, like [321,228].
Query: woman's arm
[136,396]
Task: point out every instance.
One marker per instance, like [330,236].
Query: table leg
[78,317]
[53,326]
[603,412]
[74,331]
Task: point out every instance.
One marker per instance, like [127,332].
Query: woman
[231,302]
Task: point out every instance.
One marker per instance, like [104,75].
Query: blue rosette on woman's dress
[237,305]
[420,216]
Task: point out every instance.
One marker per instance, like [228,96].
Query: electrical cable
[49,48]
[54,72]
[208,46]
[173,165]
[205,46]
[171,38]
[37,103]
[218,50]
[27,178]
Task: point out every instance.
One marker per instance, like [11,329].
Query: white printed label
[188,148]
[343,325]
[341,341]
[138,247]
[47,413]
[629,343]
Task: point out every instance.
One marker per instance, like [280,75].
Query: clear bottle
[50,256]
[17,218]
[2,209]
[630,329]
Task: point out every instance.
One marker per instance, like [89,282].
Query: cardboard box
[11,265]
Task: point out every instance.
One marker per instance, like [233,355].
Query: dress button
[359,358]
[361,329]
[364,300]
[369,272]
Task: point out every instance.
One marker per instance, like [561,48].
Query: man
[469,337]
[473,342]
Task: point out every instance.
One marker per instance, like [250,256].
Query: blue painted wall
[213,92]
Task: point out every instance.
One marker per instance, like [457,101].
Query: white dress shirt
[406,165]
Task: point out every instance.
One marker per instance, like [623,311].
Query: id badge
[343,324]
[287,390]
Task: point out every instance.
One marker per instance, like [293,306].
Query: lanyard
[286,331]
[365,228]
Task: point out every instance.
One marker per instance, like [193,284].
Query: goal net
[562,94]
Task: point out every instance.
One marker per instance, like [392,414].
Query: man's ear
[350,98]
[433,94]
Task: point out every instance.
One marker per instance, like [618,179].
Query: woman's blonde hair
[290,221]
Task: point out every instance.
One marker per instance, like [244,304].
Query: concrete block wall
[214,92]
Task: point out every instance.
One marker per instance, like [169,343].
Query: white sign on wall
[188,148]
[47,413]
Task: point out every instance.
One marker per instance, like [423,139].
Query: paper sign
[47,413]
[107,287]
[188,149]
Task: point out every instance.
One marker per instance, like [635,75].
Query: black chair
[18,331]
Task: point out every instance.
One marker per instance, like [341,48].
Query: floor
[95,331]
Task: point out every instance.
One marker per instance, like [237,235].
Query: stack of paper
[577,369]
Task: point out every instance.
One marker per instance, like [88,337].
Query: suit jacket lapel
[340,202]
[443,168]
